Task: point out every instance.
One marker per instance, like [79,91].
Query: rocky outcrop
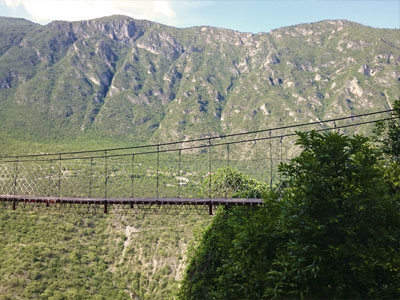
[141,80]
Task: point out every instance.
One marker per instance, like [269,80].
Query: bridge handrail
[17,158]
[199,139]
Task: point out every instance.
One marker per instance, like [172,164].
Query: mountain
[135,81]
[140,81]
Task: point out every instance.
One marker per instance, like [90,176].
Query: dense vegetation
[313,239]
[230,183]
[330,231]
[49,255]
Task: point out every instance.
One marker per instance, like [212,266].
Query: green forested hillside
[139,81]
[48,255]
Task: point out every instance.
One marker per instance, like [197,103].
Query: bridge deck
[131,201]
[160,201]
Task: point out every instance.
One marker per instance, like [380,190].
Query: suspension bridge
[173,177]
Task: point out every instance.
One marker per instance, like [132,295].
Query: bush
[229,183]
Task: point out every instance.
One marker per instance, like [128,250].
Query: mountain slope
[138,80]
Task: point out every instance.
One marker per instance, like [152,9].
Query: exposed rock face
[141,80]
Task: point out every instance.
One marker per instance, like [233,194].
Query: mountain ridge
[143,81]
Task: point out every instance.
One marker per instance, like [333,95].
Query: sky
[242,15]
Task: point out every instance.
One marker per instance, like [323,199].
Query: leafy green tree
[229,261]
[340,223]
[388,133]
[332,232]
[228,182]
[213,257]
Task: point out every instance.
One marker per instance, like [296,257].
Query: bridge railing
[178,170]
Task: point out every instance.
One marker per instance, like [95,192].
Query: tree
[388,133]
[228,182]
[332,232]
[341,223]
[217,268]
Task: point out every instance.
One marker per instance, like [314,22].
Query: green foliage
[47,255]
[42,257]
[230,183]
[233,256]
[388,133]
[332,232]
[341,223]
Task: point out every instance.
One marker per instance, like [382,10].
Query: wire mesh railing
[173,170]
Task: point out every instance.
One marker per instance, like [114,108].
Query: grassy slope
[46,255]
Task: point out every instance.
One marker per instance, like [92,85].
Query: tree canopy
[331,232]
[389,133]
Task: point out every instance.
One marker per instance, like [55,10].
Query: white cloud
[44,11]
[164,8]
[12,3]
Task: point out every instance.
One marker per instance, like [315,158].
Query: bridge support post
[15,177]
[209,169]
[105,174]
[132,174]
[158,171]
[105,206]
[227,166]
[179,173]
[59,175]
[210,209]
[90,177]
[271,162]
